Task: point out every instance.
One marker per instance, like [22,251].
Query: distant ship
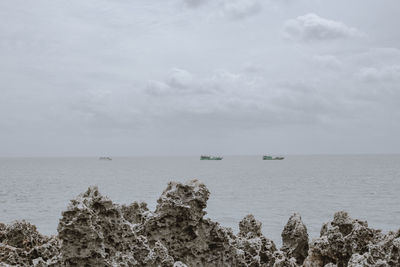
[210,158]
[272,158]
[105,158]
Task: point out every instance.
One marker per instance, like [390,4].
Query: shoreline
[96,232]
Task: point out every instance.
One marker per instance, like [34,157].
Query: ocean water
[368,187]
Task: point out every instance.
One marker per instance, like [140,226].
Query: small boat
[105,158]
[203,157]
[272,158]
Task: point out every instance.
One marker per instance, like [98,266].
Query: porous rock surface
[295,239]
[94,231]
[349,242]
[22,245]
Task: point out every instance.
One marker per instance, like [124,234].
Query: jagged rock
[179,264]
[21,234]
[281,260]
[365,260]
[22,245]
[383,253]
[358,260]
[179,224]
[295,239]
[257,249]
[249,227]
[339,240]
[135,213]
[93,231]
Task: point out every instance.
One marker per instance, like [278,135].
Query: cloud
[177,82]
[121,75]
[180,78]
[382,74]
[311,27]
[238,99]
[240,9]
[233,9]
[194,3]
[327,61]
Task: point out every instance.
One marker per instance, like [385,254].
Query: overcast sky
[187,77]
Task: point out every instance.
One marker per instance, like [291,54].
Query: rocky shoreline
[94,231]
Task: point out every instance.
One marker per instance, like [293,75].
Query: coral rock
[281,260]
[295,239]
[22,245]
[94,231]
[343,239]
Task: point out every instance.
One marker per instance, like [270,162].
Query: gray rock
[257,249]
[179,264]
[249,227]
[22,245]
[178,222]
[295,239]
[281,260]
[94,231]
[348,242]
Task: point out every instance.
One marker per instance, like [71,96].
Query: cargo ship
[105,158]
[203,157]
[266,157]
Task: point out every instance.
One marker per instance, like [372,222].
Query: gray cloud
[311,27]
[194,3]
[148,77]
[233,9]
[239,9]
[252,98]
[380,74]
[327,61]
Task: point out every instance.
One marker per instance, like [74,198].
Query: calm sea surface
[368,187]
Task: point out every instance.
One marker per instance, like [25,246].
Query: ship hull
[272,158]
[210,158]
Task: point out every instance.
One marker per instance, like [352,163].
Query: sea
[315,186]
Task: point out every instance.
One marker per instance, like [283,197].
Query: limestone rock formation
[179,224]
[22,245]
[94,231]
[281,260]
[348,242]
[295,239]
[135,213]
[257,249]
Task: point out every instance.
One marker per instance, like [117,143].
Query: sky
[190,77]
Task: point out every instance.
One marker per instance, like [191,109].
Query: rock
[94,231]
[358,260]
[384,252]
[295,239]
[249,227]
[135,213]
[257,249]
[22,245]
[179,264]
[281,260]
[178,222]
[340,239]
[21,234]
